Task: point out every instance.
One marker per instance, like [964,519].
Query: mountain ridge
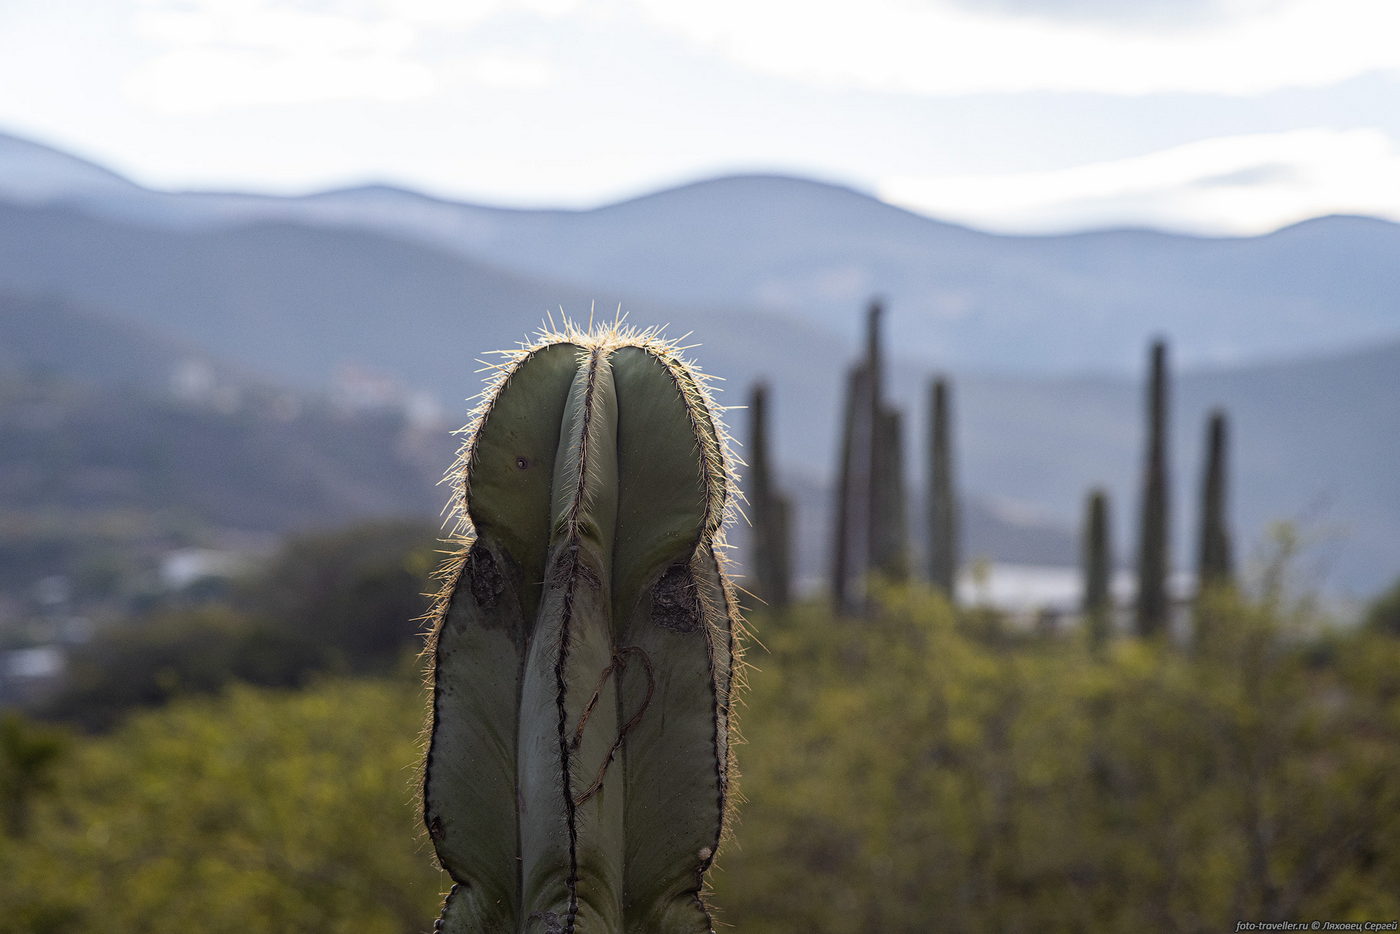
[297,297]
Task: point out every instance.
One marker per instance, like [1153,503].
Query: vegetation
[770,511]
[245,757]
[916,773]
[1098,571]
[256,810]
[1154,543]
[1215,560]
[920,772]
[871,531]
[344,601]
[577,777]
[941,496]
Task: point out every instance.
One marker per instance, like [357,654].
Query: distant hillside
[376,287]
[50,337]
[811,251]
[33,172]
[97,485]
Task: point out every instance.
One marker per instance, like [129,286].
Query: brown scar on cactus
[586,589]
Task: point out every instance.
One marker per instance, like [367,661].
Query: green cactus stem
[577,777]
[1098,571]
[889,543]
[1215,564]
[769,511]
[1153,607]
[849,519]
[941,500]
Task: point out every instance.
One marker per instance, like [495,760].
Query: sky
[1208,116]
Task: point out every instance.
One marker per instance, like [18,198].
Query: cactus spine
[771,512]
[1098,571]
[941,502]
[1215,565]
[589,610]
[1153,546]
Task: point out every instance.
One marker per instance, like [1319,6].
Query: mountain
[47,337]
[811,251]
[33,172]
[118,445]
[376,286]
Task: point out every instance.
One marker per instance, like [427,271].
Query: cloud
[190,81]
[1138,14]
[1237,184]
[936,47]
[217,54]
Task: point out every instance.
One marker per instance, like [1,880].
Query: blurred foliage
[147,662]
[29,754]
[917,770]
[914,771]
[343,601]
[1384,613]
[356,594]
[254,811]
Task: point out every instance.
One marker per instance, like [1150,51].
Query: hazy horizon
[1213,117]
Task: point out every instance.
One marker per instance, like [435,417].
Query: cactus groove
[583,652]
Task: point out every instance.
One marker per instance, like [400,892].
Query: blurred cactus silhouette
[1215,565]
[1153,602]
[769,510]
[870,526]
[848,513]
[584,648]
[1098,570]
[941,500]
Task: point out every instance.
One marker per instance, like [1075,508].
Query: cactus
[874,472]
[1153,607]
[1098,571]
[1215,565]
[848,518]
[577,777]
[941,501]
[770,511]
[889,544]
[871,531]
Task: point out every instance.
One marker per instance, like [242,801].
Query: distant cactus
[1153,607]
[848,518]
[1098,570]
[941,500]
[578,772]
[890,531]
[1215,564]
[769,511]
[870,532]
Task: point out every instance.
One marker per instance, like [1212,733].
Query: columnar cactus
[871,528]
[577,776]
[889,543]
[1098,570]
[1153,546]
[769,510]
[941,501]
[849,517]
[1215,565]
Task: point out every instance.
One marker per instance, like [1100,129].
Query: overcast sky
[1219,116]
